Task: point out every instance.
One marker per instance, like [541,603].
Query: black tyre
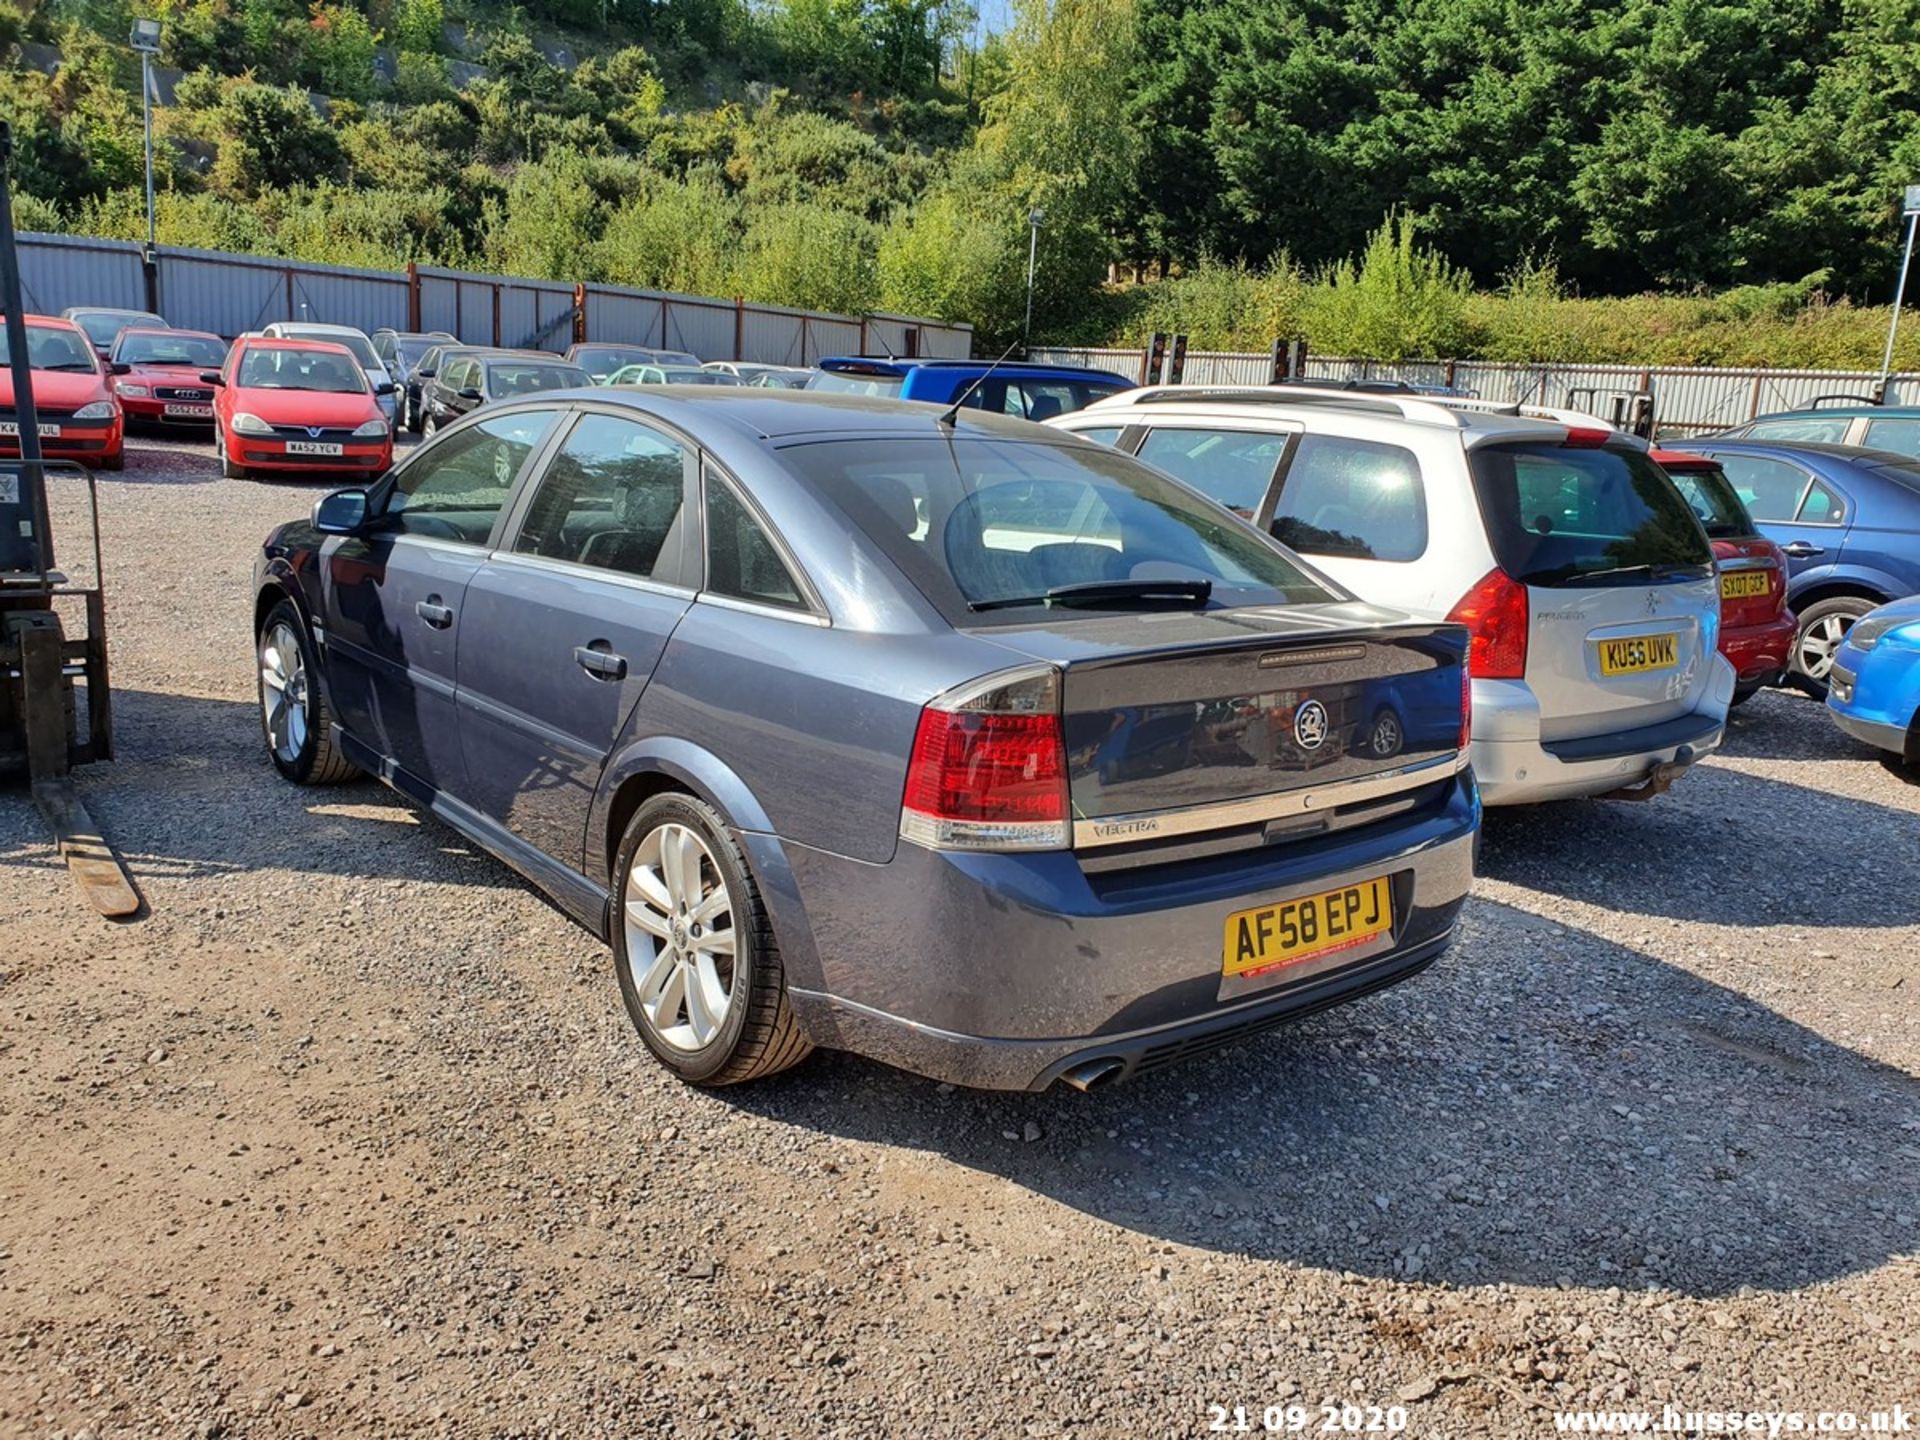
[1823,625]
[1744,693]
[694,950]
[295,718]
[229,468]
[115,461]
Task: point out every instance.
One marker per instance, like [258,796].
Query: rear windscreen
[1567,515]
[985,528]
[1718,509]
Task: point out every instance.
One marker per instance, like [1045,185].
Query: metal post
[1900,291]
[1034,217]
[146,123]
[32,498]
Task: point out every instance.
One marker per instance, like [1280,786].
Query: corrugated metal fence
[1687,401]
[227,294]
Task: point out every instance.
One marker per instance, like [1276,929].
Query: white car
[767,377]
[1585,578]
[355,340]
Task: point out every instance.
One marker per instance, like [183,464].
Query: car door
[394,594]
[1899,434]
[1232,467]
[1802,514]
[567,620]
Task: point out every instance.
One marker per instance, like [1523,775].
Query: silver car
[1585,578]
[940,737]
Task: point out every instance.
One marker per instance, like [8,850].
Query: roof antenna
[951,414]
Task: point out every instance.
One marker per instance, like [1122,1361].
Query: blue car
[1848,521]
[951,740]
[1032,392]
[1875,685]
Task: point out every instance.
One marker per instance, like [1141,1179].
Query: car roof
[796,416]
[1864,408]
[1831,450]
[1476,421]
[73,310]
[292,342]
[172,334]
[901,366]
[50,322]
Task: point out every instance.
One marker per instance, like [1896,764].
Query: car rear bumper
[1007,972]
[1515,766]
[1759,652]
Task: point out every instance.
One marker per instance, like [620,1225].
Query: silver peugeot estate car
[933,735]
[1585,578]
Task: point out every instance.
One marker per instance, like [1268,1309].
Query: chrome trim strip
[748,607]
[1161,824]
[574,570]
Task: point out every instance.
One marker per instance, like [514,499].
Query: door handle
[434,613]
[1801,549]
[600,662]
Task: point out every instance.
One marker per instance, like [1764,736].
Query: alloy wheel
[283,693]
[1386,739]
[680,937]
[1820,642]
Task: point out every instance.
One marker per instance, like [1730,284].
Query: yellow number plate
[1272,936]
[1743,584]
[1643,652]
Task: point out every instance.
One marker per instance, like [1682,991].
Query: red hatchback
[156,375]
[305,405]
[1756,632]
[79,417]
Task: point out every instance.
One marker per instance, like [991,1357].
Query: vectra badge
[1310,725]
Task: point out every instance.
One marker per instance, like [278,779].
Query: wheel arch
[665,764]
[1838,584]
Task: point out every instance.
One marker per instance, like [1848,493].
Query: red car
[1756,631]
[156,375]
[79,418]
[305,405]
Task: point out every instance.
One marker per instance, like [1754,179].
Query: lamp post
[1912,208]
[146,39]
[1034,217]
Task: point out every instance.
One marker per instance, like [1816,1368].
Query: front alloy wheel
[294,715]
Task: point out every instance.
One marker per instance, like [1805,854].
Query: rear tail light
[1495,611]
[989,767]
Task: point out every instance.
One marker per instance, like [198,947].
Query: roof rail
[1428,409]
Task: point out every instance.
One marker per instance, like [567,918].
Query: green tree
[271,138]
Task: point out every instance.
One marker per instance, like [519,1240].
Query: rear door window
[743,563]
[1823,506]
[1567,515]
[1355,499]
[1770,489]
[1829,431]
[1232,467]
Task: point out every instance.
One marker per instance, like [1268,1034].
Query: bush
[271,138]
[680,235]
[417,26]
[340,46]
[1399,302]
[811,256]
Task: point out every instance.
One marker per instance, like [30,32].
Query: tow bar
[1659,779]
[40,733]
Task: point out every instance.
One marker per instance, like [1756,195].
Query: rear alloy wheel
[1823,626]
[429,428]
[294,715]
[694,949]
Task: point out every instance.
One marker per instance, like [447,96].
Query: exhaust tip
[1091,1074]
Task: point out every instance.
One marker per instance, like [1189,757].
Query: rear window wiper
[1195,591]
[1614,572]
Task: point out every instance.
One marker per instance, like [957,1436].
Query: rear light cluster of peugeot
[989,767]
[1495,611]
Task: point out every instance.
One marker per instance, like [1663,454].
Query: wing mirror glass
[119,367]
[470,393]
[341,513]
[211,377]
[385,387]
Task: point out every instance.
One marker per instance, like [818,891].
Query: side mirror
[470,393]
[423,374]
[385,387]
[211,377]
[341,513]
[119,367]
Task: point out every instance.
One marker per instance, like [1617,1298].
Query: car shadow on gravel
[1543,1107]
[1787,725]
[192,794]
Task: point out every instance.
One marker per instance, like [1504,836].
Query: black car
[412,411]
[466,382]
[400,351]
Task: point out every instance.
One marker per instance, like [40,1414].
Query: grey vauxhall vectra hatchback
[933,735]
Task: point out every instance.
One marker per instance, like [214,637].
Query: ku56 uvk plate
[1639,654]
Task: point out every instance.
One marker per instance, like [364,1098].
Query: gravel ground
[352,1137]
